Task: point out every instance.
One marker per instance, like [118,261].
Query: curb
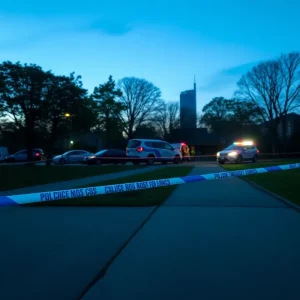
[285,201]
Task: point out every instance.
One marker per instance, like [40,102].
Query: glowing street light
[71,142]
[67,115]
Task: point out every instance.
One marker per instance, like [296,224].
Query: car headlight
[218,154]
[232,154]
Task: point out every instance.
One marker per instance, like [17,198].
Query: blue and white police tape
[133,186]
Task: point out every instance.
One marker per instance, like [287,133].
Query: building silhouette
[188,109]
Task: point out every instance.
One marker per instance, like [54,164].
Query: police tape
[134,186]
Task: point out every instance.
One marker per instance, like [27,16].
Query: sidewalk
[230,191]
[70,184]
[220,239]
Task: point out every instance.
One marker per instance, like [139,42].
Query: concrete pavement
[230,191]
[51,253]
[221,239]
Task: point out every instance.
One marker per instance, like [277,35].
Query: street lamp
[67,115]
[71,142]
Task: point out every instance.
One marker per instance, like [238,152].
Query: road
[218,239]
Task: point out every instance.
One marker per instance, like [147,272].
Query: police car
[238,152]
[151,151]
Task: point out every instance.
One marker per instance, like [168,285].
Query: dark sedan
[107,156]
[21,156]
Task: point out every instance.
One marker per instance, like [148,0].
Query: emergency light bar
[244,143]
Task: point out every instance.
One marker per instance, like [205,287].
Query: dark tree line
[41,105]
[266,94]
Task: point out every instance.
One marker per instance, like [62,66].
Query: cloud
[238,70]
[226,77]
[25,31]
[111,27]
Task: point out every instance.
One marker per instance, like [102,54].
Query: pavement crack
[103,271]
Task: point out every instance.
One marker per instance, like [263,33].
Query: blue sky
[165,42]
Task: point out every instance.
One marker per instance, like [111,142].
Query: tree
[229,118]
[108,108]
[23,89]
[66,108]
[244,113]
[168,119]
[142,102]
[290,100]
[146,131]
[214,112]
[273,87]
[37,101]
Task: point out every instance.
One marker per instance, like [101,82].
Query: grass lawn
[19,176]
[282,183]
[147,197]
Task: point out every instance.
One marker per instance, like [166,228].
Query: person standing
[188,153]
[183,152]
[193,151]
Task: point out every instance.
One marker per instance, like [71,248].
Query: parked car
[3,153]
[107,156]
[71,157]
[150,151]
[21,156]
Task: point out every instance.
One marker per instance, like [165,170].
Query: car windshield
[234,147]
[100,152]
[176,146]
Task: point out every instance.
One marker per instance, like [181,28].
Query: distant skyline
[165,44]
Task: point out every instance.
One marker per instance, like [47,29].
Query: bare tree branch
[168,119]
[141,100]
[290,70]
[274,87]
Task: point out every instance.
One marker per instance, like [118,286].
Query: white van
[3,153]
[150,151]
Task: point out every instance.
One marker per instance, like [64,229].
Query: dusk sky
[165,42]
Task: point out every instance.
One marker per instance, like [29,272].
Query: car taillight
[257,151]
[139,149]
[37,154]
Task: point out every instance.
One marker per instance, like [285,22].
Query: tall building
[188,109]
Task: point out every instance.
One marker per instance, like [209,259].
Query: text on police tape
[67,194]
[126,187]
[235,173]
[108,189]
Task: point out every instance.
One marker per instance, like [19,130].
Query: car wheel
[221,162]
[150,160]
[239,160]
[135,162]
[164,162]
[62,161]
[176,160]
[98,162]
[254,159]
